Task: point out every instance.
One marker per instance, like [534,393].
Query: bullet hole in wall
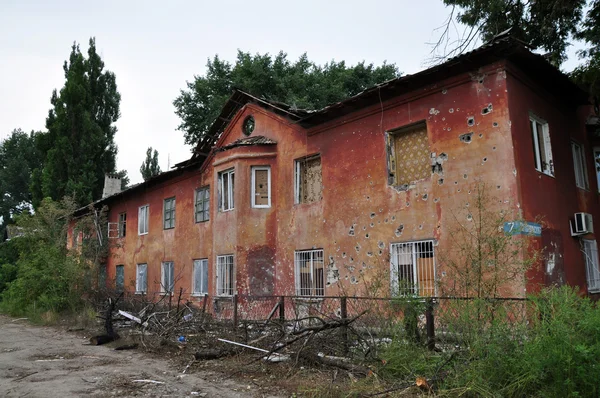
[470,121]
[367,235]
[441,181]
[465,176]
[399,230]
[480,135]
[495,124]
[466,138]
[484,160]
[373,215]
[381,245]
[425,196]
[372,225]
[487,109]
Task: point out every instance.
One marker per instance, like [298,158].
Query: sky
[155,47]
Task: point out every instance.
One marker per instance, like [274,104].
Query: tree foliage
[79,147]
[302,84]
[150,167]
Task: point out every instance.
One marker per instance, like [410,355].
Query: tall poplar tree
[79,147]
[150,167]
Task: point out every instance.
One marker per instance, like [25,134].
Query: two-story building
[278,201]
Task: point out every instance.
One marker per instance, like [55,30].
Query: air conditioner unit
[582,224]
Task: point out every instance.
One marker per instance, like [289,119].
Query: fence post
[235,311]
[282,308]
[430,325]
[344,315]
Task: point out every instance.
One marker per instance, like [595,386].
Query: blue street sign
[523,228]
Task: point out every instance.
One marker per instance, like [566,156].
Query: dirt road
[49,362]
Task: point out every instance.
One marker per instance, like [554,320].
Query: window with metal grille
[408,155]
[141,278]
[226,189]
[542,151]
[413,269]
[122,225]
[143,214]
[169,213]
[308,180]
[167,277]
[200,277]
[202,204]
[581,177]
[119,278]
[592,267]
[225,275]
[310,276]
[261,186]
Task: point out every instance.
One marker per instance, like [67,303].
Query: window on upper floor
[261,186]
[597,165]
[169,213]
[225,275]
[226,189]
[200,277]
[143,219]
[167,277]
[202,205]
[581,177]
[122,225]
[308,180]
[592,267]
[310,276]
[542,150]
[412,269]
[408,155]
[141,278]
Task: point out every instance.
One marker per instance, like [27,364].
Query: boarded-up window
[261,187]
[408,155]
[309,180]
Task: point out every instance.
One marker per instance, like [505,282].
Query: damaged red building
[279,201]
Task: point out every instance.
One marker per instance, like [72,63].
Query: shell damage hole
[373,215]
[399,230]
[480,135]
[466,138]
[495,124]
[484,160]
[487,109]
[425,197]
[465,176]
[441,181]
[470,121]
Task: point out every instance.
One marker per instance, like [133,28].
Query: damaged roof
[249,141]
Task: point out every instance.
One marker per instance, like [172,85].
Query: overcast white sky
[154,47]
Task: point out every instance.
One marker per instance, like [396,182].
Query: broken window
[169,213]
[167,277]
[119,278]
[308,180]
[143,214]
[542,151]
[413,269]
[141,278]
[310,276]
[226,189]
[202,204]
[225,275]
[122,226]
[581,178]
[200,277]
[261,186]
[408,155]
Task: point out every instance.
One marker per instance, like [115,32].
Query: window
[408,155]
[169,213]
[309,180]
[202,204]
[141,278]
[143,215]
[310,277]
[167,277]
[122,225]
[592,267]
[261,186]
[119,278]
[542,152]
[225,276]
[200,281]
[597,165]
[581,178]
[226,185]
[413,269]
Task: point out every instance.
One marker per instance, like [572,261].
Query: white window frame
[300,256]
[225,274]
[171,211]
[592,266]
[167,269]
[579,163]
[546,146]
[253,192]
[414,289]
[141,285]
[230,176]
[143,219]
[201,266]
[205,199]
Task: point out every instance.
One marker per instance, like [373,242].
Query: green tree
[150,167]
[79,147]
[302,84]
[18,158]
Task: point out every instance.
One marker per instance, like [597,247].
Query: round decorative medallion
[248,126]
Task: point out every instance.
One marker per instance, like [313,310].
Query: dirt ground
[40,361]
